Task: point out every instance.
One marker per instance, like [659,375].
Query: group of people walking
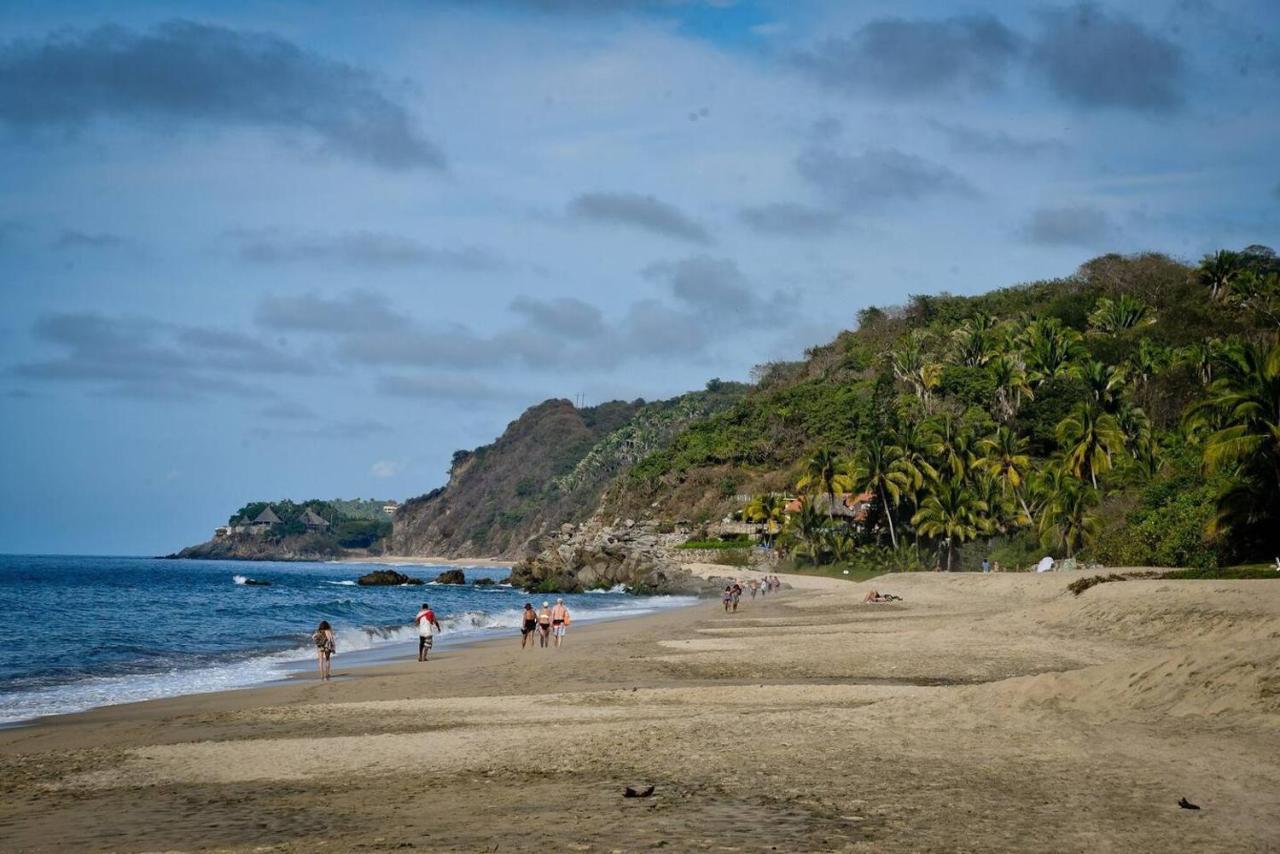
[546,623]
[757,586]
[549,623]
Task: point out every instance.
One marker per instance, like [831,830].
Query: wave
[240,579]
[347,583]
[617,588]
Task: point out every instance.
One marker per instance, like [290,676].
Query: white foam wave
[458,628]
[240,579]
[347,583]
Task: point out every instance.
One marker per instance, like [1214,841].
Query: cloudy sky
[266,250]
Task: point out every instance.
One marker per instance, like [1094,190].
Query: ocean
[82,632]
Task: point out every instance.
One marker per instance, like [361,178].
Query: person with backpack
[428,627]
[323,639]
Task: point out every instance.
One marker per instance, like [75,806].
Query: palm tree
[1007,462]
[810,528]
[768,510]
[1147,361]
[911,366]
[1138,437]
[974,342]
[1243,411]
[1217,270]
[1110,316]
[1090,438]
[951,512]
[1105,384]
[841,544]
[1200,357]
[878,468]
[1049,349]
[824,472]
[1065,520]
[1010,378]
[951,444]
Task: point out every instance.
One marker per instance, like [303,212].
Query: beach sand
[981,713]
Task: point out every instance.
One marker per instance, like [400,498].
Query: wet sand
[995,713]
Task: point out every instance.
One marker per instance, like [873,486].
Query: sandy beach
[994,713]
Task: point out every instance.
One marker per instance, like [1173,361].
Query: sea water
[81,632]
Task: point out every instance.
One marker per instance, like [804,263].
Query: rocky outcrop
[594,556]
[303,547]
[386,578]
[451,576]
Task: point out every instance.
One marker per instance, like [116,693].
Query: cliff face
[501,494]
[549,467]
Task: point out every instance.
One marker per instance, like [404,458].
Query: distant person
[528,625]
[428,627]
[544,624]
[995,567]
[559,621]
[726,598]
[986,565]
[737,594]
[325,646]
[754,587]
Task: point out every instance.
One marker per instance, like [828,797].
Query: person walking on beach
[528,625]
[727,597]
[754,587]
[986,565]
[427,628]
[737,594]
[559,621]
[544,624]
[323,638]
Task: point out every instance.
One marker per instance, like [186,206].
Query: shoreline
[990,712]
[405,560]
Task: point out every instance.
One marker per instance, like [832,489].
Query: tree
[1242,411]
[1217,270]
[952,513]
[1147,361]
[1010,378]
[1116,315]
[974,342]
[1049,349]
[824,472]
[951,444]
[768,510]
[1105,383]
[1065,520]
[810,529]
[1006,461]
[878,468]
[1090,438]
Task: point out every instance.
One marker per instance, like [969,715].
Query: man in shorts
[559,621]
[427,627]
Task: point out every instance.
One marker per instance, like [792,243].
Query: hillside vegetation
[1128,413]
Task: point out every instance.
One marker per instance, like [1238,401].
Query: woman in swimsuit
[323,638]
[528,622]
[544,624]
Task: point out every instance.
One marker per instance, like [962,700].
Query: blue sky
[267,250]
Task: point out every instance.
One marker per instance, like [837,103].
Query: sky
[283,249]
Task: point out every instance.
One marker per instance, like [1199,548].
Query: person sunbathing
[876,596]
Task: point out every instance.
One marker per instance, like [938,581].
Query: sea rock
[483,582]
[386,578]
[451,576]
[598,557]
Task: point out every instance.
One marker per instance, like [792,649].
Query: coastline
[405,560]
[981,712]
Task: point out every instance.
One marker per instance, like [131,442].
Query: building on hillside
[314,521]
[847,506]
[390,508]
[222,531]
[264,521]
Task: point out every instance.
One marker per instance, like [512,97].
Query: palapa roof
[267,517]
[313,520]
[845,506]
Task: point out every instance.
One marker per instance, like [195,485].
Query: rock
[451,576]
[254,582]
[483,582]
[386,578]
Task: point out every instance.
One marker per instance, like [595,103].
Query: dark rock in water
[506,581]
[451,576]
[253,582]
[386,578]
[483,582]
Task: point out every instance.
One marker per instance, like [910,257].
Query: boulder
[386,578]
[451,576]
[483,582]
